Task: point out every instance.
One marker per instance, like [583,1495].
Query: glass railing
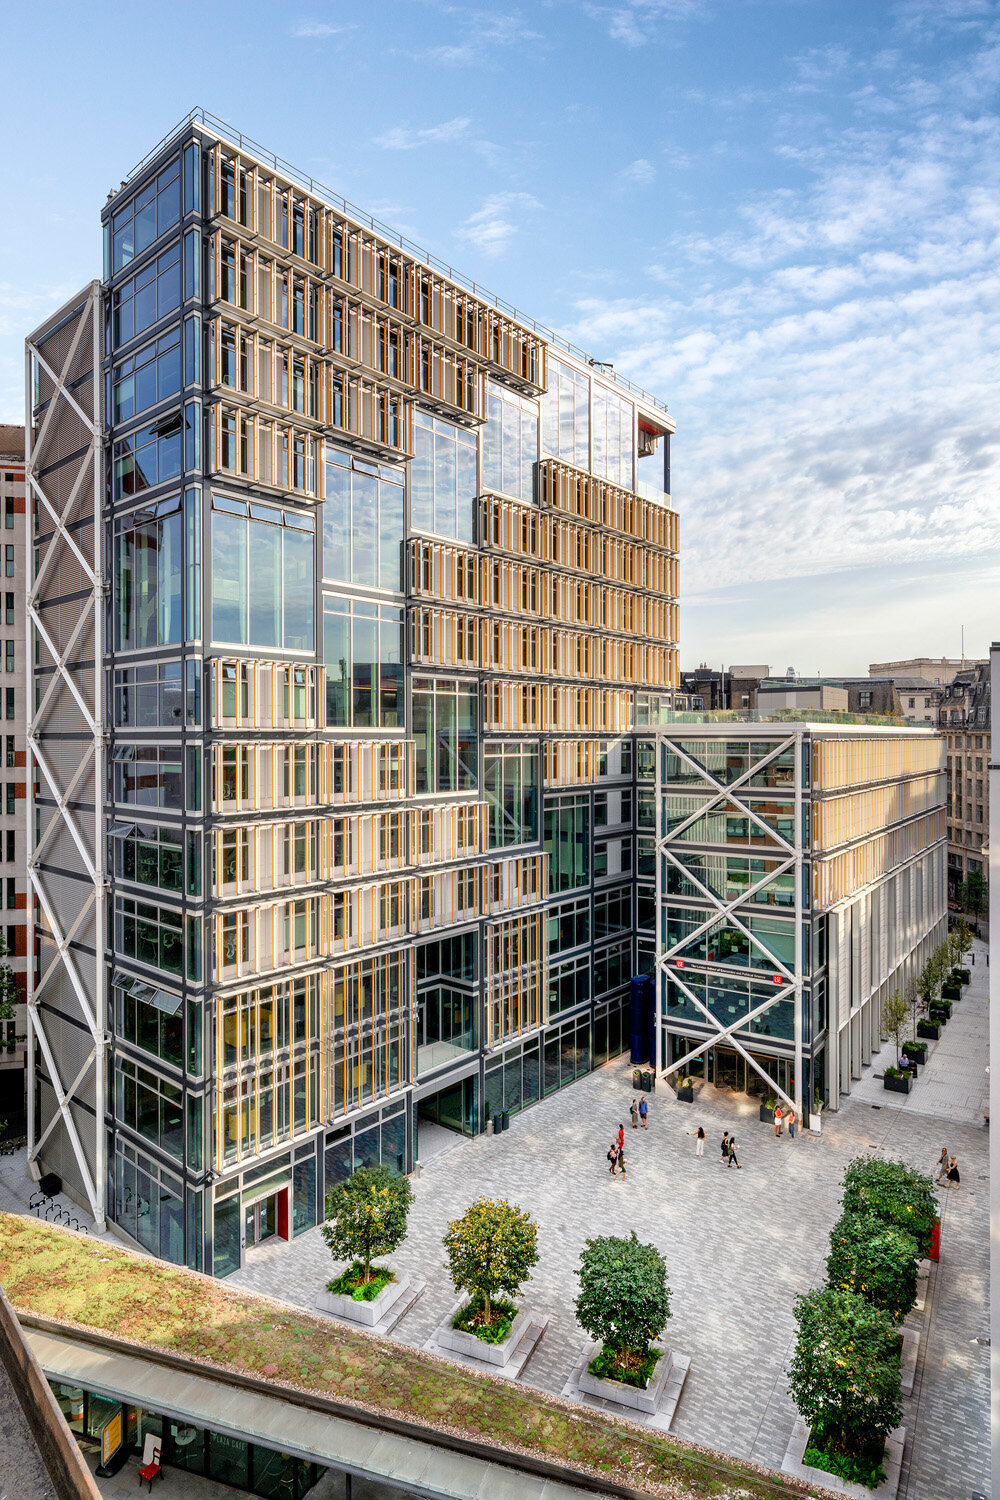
[652,492]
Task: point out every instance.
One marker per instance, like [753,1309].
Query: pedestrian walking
[621,1159]
[613,1156]
[777,1119]
[732,1153]
[953,1176]
[725,1147]
[644,1112]
[634,1112]
[699,1149]
[943,1163]
[790,1122]
[621,1137]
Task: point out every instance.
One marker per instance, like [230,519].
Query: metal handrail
[286,169]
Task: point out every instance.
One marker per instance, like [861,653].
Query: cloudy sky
[779,215]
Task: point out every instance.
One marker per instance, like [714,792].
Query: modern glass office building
[801,879]
[349,589]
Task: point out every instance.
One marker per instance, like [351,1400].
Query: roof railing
[286,169]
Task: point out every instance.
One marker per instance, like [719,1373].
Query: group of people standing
[616,1151]
[783,1121]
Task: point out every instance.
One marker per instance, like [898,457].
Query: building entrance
[440,1115]
[261,1220]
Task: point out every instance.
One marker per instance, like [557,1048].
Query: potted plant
[767,1108]
[874,1260]
[685,1089]
[624,1304]
[367,1217]
[816,1113]
[951,989]
[491,1250]
[845,1381]
[894,1192]
[929,1030]
[915,1051]
[895,1022]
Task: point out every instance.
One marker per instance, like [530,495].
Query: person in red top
[621,1137]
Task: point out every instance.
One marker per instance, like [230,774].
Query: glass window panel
[265,595]
[229,578]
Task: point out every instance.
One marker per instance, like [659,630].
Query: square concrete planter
[365,1313]
[892,1463]
[460,1342]
[638,1399]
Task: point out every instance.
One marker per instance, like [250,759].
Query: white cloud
[493,225]
[401,139]
[638,22]
[641,172]
[484,31]
[320,29]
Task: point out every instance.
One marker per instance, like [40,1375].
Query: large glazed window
[363,654]
[362,522]
[510,781]
[566,415]
[157,936]
[510,449]
[148,457]
[145,378]
[443,478]
[567,842]
[614,445]
[149,566]
[262,575]
[445,720]
[146,216]
[148,296]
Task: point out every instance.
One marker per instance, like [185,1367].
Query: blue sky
[779,215]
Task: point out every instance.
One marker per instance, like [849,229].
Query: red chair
[150,1468]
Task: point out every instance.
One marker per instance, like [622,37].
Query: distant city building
[938,670]
[964,721]
[802,880]
[13,849]
[706,689]
[802,693]
[743,684]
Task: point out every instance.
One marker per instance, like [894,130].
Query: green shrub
[844,1376]
[491,1250]
[352,1283]
[472,1319]
[876,1261]
[605,1365]
[624,1299]
[367,1215]
[894,1192]
[864,1469]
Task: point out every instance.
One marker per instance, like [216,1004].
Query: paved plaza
[739,1245]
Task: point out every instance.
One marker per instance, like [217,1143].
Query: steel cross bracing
[84,495]
[790,857]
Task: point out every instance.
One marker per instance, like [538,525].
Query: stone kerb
[638,1398]
[892,1463]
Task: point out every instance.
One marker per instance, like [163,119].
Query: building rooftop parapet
[810,718]
[241,142]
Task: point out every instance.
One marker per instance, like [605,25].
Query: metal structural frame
[791,856]
[49,786]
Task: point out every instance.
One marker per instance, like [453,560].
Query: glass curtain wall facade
[801,878]
[384,594]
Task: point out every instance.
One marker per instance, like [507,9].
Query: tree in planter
[962,936]
[491,1250]
[874,1260]
[367,1215]
[929,978]
[891,1191]
[973,894]
[845,1376]
[10,996]
[624,1299]
[896,1020]
[915,1002]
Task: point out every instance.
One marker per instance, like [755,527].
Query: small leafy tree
[10,995]
[624,1299]
[962,936]
[367,1216]
[845,1375]
[896,1019]
[491,1250]
[915,1003]
[893,1192]
[874,1260]
[973,893]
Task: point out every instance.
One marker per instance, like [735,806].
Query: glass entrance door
[261,1220]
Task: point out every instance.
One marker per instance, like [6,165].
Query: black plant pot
[964,975]
[951,991]
[896,1085]
[767,1115]
[930,1030]
[686,1095]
